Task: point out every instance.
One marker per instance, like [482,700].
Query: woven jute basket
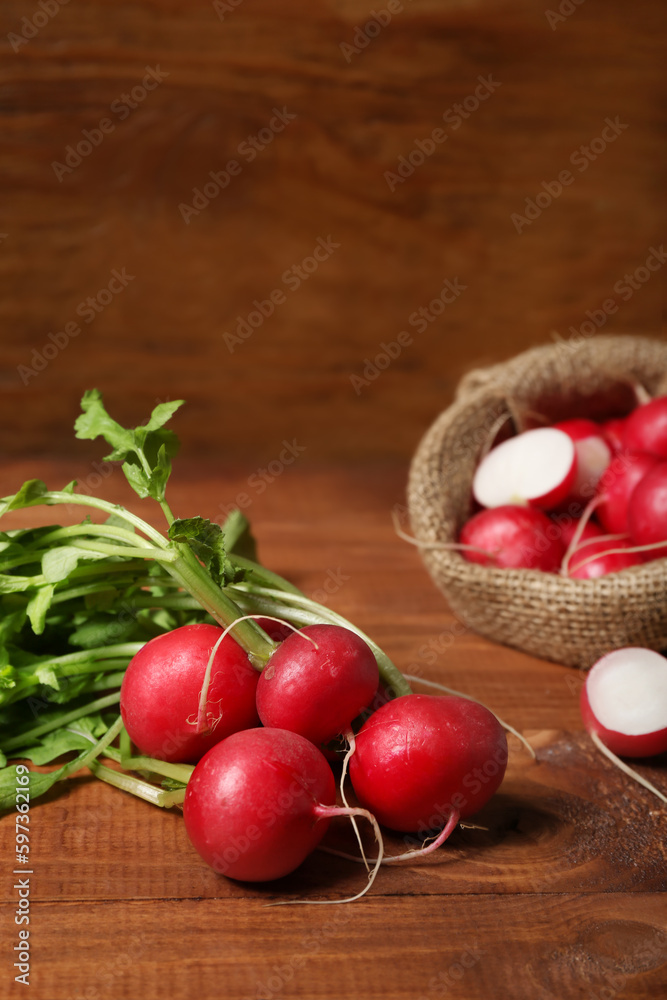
[569,621]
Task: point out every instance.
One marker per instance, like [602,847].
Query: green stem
[99,653]
[58,497]
[131,538]
[128,783]
[189,572]
[95,751]
[160,555]
[179,772]
[265,600]
[26,738]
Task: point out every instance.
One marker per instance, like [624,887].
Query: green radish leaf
[38,606]
[78,735]
[206,540]
[15,584]
[31,491]
[3,760]
[47,675]
[58,563]
[38,782]
[144,451]
[238,536]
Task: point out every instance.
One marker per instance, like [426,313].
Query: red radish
[616,486]
[160,693]
[646,428]
[593,455]
[613,431]
[316,686]
[647,510]
[420,757]
[258,803]
[624,702]
[274,629]
[536,469]
[601,557]
[514,538]
[568,526]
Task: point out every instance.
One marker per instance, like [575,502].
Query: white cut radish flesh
[593,455]
[624,702]
[534,469]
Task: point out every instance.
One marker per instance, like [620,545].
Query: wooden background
[563,896]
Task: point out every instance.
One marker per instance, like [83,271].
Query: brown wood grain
[323,175]
[562,894]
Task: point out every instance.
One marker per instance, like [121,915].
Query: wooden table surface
[562,895]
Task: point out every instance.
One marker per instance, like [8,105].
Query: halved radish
[617,484]
[593,455]
[513,537]
[646,428]
[624,702]
[536,469]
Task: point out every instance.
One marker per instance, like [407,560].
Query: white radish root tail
[329,812]
[430,844]
[352,746]
[626,769]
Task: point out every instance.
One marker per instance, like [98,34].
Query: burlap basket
[568,621]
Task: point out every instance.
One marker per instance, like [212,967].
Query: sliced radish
[647,510]
[616,486]
[593,455]
[536,469]
[624,702]
[646,428]
[513,538]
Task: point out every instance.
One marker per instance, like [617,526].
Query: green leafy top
[146,451]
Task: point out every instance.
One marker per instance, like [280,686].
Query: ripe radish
[616,485]
[603,556]
[593,455]
[647,510]
[646,428]
[624,702]
[569,525]
[421,758]
[512,537]
[613,431]
[536,469]
[317,687]
[160,693]
[259,803]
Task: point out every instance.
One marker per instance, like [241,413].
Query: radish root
[576,537]
[328,812]
[430,844]
[626,769]
[352,746]
[452,546]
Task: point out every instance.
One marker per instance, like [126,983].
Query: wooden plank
[472,947]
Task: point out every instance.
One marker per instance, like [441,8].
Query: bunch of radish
[262,793]
[579,498]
